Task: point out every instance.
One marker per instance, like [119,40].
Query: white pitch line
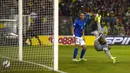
[50,68]
[44,66]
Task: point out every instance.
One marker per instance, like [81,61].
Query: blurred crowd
[115,13]
[72,7]
[40,7]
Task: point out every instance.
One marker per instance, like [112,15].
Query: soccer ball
[6,63]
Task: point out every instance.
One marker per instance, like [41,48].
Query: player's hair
[81,13]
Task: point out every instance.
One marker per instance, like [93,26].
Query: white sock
[107,52]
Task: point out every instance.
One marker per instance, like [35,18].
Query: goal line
[50,68]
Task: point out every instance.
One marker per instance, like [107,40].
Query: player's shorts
[99,47]
[79,41]
[32,33]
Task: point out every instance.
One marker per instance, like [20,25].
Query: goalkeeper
[100,42]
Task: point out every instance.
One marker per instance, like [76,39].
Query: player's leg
[24,40]
[39,41]
[31,35]
[76,41]
[107,52]
[82,43]
[28,36]
[36,34]
[30,41]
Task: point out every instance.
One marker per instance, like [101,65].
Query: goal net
[25,28]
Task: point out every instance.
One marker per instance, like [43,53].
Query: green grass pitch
[97,62]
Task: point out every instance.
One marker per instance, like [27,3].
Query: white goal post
[20,13]
[56,19]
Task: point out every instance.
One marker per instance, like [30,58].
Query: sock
[75,53]
[30,42]
[107,52]
[39,41]
[82,53]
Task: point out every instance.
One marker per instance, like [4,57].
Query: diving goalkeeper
[100,42]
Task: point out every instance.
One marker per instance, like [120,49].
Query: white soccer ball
[6,63]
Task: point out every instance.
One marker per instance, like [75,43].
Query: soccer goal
[25,28]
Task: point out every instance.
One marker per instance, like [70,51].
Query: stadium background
[115,15]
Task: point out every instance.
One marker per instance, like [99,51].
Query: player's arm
[72,30]
[83,34]
[87,18]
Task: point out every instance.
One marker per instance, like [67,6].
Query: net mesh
[37,27]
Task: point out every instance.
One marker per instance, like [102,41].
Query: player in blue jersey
[78,34]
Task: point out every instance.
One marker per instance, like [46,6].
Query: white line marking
[50,68]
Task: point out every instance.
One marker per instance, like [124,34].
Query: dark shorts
[32,32]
